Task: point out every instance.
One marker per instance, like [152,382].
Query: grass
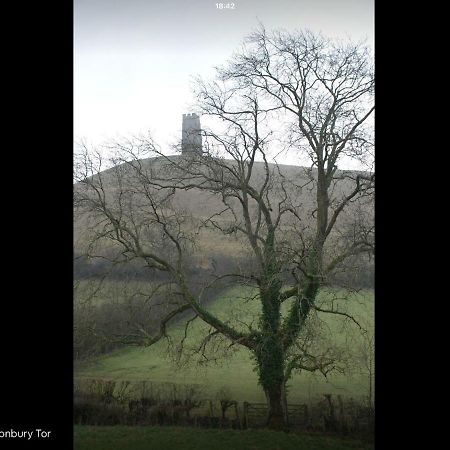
[174,438]
[236,371]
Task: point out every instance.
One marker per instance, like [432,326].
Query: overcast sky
[134,59]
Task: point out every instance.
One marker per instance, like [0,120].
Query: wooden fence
[98,400]
[255,414]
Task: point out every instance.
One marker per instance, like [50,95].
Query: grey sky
[134,58]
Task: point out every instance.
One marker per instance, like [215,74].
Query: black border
[405,172]
[37,318]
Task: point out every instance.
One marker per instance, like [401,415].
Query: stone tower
[191,139]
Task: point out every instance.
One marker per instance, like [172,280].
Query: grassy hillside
[297,185]
[235,372]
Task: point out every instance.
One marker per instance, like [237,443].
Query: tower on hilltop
[191,139]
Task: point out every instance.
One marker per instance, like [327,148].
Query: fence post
[341,420]
[236,412]
[245,421]
[306,411]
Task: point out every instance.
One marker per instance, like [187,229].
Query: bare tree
[283,92]
[366,360]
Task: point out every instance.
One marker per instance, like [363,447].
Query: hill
[160,363]
[293,185]
[213,251]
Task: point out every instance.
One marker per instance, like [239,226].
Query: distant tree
[366,350]
[283,92]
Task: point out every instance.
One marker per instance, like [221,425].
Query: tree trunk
[284,403]
[270,354]
[275,414]
[271,378]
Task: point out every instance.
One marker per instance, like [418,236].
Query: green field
[174,438]
[236,371]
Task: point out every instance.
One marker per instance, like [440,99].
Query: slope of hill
[235,371]
[294,184]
